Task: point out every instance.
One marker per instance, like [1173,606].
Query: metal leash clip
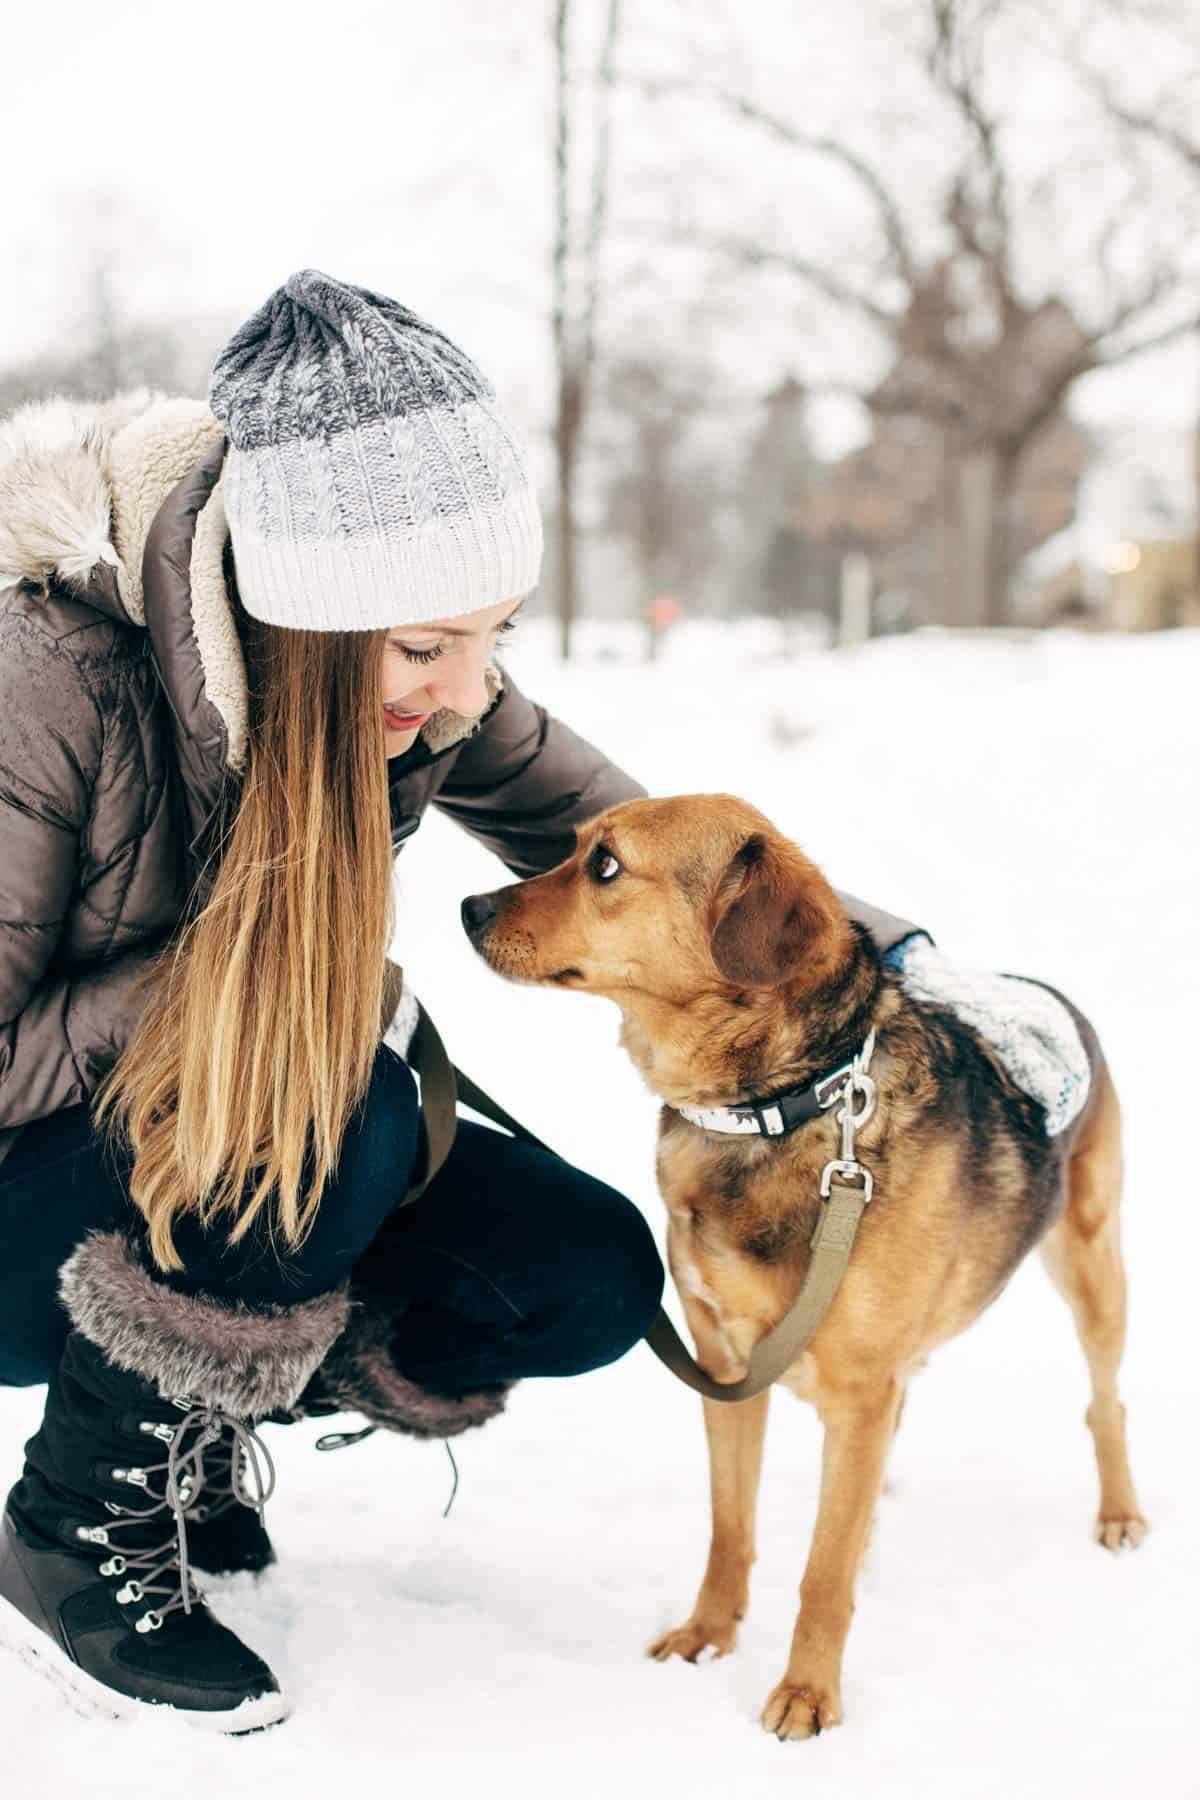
[857,1082]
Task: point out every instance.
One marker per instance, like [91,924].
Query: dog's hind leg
[1082,1252]
[735,1449]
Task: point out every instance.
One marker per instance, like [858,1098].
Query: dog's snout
[478,911]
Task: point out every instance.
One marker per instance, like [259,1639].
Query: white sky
[406,146]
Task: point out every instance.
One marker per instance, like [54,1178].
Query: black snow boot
[95,1583]
[94,1560]
[226,1533]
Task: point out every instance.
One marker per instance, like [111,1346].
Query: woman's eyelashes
[431,654]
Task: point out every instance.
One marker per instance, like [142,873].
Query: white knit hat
[371,477]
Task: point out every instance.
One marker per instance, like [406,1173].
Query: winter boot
[226,1534]
[95,1583]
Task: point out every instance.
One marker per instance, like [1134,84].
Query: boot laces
[226,1468]
[161,1572]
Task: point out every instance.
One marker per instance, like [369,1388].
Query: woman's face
[426,667]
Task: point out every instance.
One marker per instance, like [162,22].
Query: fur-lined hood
[118,503]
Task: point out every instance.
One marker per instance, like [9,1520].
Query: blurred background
[857,318]
[859,347]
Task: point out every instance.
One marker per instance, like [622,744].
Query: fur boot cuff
[246,1362]
[361,1375]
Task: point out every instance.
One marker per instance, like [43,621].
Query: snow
[1035,803]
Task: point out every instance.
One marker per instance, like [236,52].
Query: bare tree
[576,281]
[975,356]
[1162,128]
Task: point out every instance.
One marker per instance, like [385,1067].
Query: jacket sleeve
[58,1033]
[525,781]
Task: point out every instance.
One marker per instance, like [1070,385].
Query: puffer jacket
[123,730]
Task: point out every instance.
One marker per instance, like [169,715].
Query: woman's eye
[421,656]
[605,866]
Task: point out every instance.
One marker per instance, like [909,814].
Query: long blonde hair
[261,1026]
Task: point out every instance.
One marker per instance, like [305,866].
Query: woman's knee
[31,1361]
[379,1152]
[613,1287]
[373,1173]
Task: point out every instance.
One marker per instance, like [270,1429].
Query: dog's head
[667,899]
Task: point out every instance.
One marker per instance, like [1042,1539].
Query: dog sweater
[1030,1030]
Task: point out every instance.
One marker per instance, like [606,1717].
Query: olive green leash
[845,1190]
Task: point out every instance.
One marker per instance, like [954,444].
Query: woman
[243,646]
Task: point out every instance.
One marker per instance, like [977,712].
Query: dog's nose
[478,910]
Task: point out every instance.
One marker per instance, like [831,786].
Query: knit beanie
[371,478]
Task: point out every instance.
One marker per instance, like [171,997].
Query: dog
[739,975]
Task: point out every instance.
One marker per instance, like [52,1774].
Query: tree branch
[946,65]
[752,255]
[1159,130]
[1153,340]
[890,218]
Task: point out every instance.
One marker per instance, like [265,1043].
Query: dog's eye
[602,864]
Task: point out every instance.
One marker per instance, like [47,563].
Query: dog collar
[782,1113]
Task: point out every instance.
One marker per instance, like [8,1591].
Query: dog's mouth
[561,977]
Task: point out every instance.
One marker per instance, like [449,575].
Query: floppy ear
[769,918]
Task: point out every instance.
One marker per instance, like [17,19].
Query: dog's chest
[740,1220]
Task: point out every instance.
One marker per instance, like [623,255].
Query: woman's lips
[402,721]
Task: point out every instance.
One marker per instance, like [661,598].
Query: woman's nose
[459,681]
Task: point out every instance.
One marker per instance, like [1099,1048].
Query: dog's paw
[1114,1532]
[802,1709]
[691,1640]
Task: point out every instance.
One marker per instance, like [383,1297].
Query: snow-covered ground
[1036,804]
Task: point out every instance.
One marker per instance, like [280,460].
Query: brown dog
[739,976]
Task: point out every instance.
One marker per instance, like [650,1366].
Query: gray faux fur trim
[361,1375]
[248,1363]
[56,512]
[81,481]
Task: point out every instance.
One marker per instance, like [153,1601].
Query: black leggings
[514,1263]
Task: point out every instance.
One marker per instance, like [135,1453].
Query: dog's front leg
[859,1425]
[735,1446]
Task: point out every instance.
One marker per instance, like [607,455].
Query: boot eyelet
[134,1477]
[149,1621]
[114,1566]
[164,1433]
[130,1593]
[92,1534]
[199,1513]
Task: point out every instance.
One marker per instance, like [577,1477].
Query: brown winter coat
[123,731]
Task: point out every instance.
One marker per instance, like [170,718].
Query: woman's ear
[770,913]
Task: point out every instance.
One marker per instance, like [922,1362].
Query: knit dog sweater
[1030,1030]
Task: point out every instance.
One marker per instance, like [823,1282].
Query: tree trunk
[985,497]
[944,605]
[565,416]
[566,444]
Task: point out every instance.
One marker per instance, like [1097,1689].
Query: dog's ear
[768,915]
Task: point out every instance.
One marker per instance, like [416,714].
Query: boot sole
[91,1699]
